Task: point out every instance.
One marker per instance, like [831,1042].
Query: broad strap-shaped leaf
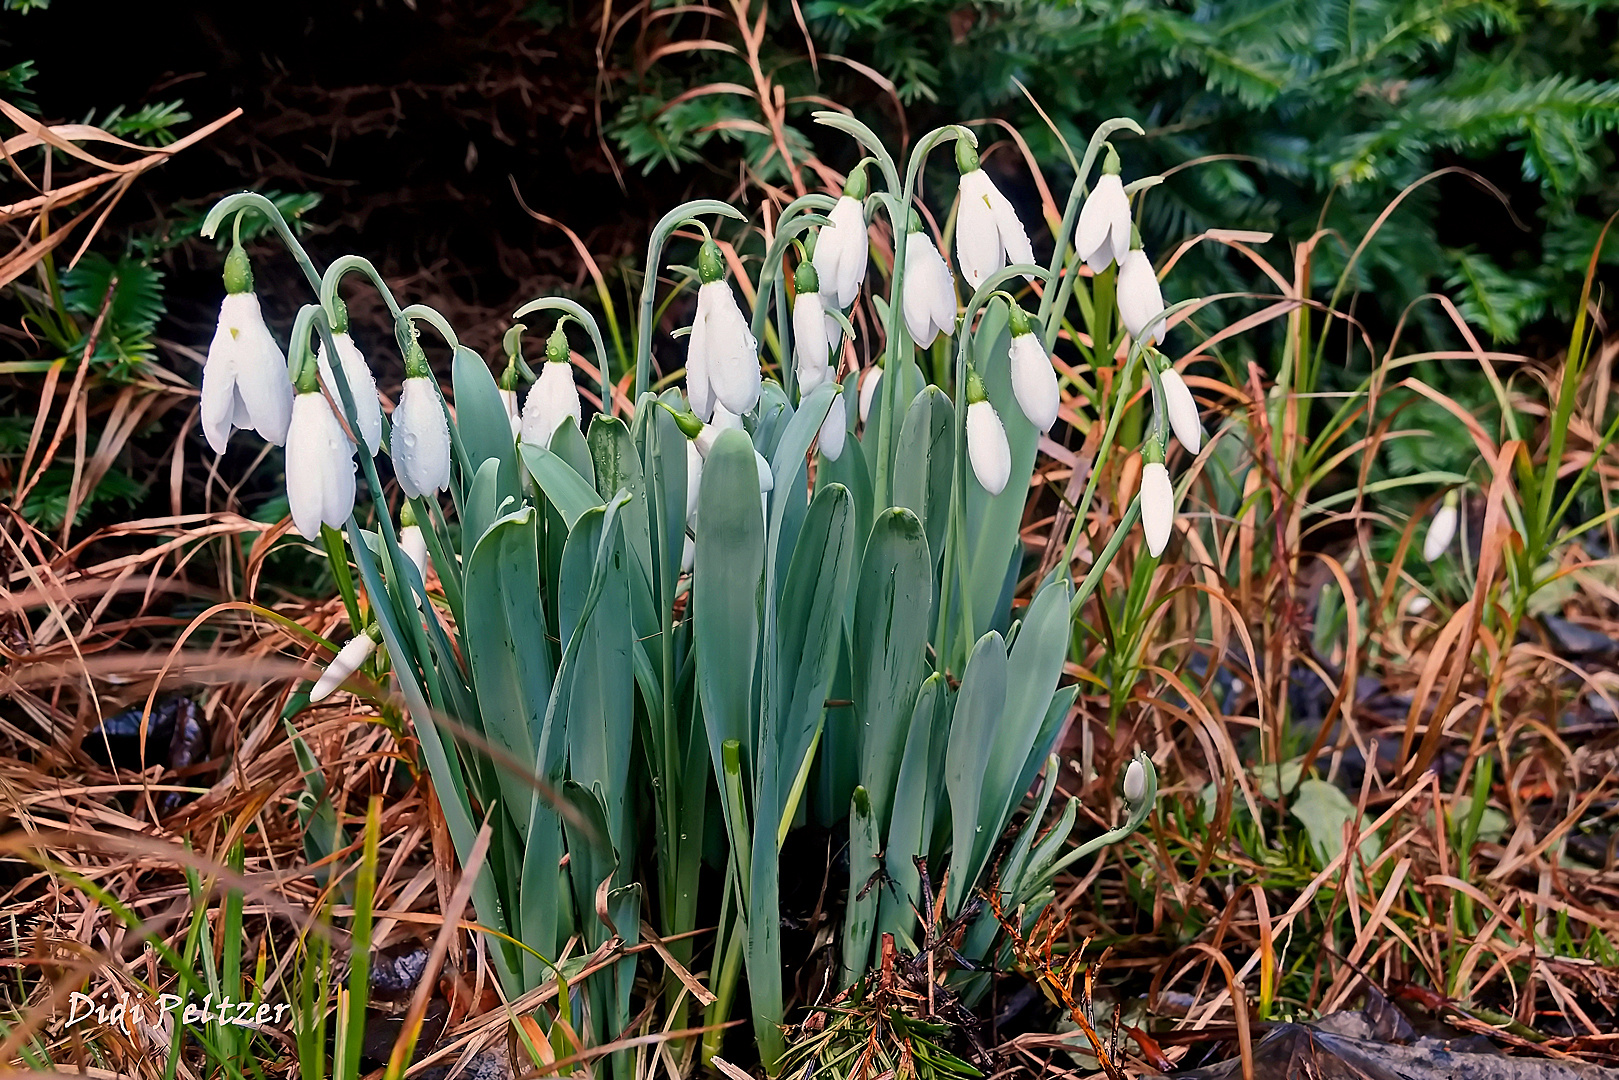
[893,605]
[726,591]
[927,454]
[482,424]
[910,829]
[865,887]
[507,648]
[810,620]
[979,706]
[568,491]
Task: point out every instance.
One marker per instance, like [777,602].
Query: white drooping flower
[722,355]
[812,350]
[554,398]
[1141,301]
[244,381]
[421,439]
[842,248]
[834,430]
[1442,529]
[320,466]
[414,544]
[1182,410]
[362,385]
[989,235]
[1102,236]
[1034,380]
[929,292]
[868,392]
[987,448]
[1135,782]
[345,663]
[1157,506]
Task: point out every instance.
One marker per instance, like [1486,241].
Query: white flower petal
[245,381]
[320,467]
[1095,235]
[811,349]
[841,252]
[1157,506]
[699,387]
[987,448]
[553,400]
[421,439]
[1034,381]
[834,430]
[1441,531]
[694,480]
[1013,236]
[733,354]
[979,252]
[1135,782]
[362,385]
[1182,409]
[346,663]
[414,544]
[1140,299]
[868,391]
[929,300]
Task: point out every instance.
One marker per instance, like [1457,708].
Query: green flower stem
[1070,214]
[794,220]
[671,221]
[588,321]
[337,558]
[956,530]
[252,200]
[898,336]
[347,264]
[865,137]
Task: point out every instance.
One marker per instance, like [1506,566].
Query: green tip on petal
[710,264]
[966,157]
[238,271]
[556,346]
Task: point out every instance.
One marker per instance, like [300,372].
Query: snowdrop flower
[811,347]
[929,296]
[842,247]
[1441,530]
[1182,409]
[414,545]
[1135,782]
[724,420]
[554,399]
[987,448]
[320,463]
[1034,380]
[834,430]
[722,357]
[421,432]
[868,392]
[244,381]
[1157,502]
[346,663]
[514,411]
[357,373]
[1103,234]
[988,232]
[1140,299]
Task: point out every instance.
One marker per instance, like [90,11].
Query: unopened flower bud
[1135,782]
[346,663]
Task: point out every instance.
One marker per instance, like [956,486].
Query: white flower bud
[834,430]
[508,398]
[421,439]
[414,545]
[1182,410]
[320,467]
[1441,530]
[1157,506]
[1034,381]
[1141,301]
[868,392]
[346,663]
[1135,782]
[929,294]
[987,448]
[362,385]
[811,349]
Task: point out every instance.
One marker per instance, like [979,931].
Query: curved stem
[956,535]
[649,287]
[1070,214]
[432,318]
[865,137]
[252,200]
[348,264]
[588,321]
[793,221]
[897,336]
